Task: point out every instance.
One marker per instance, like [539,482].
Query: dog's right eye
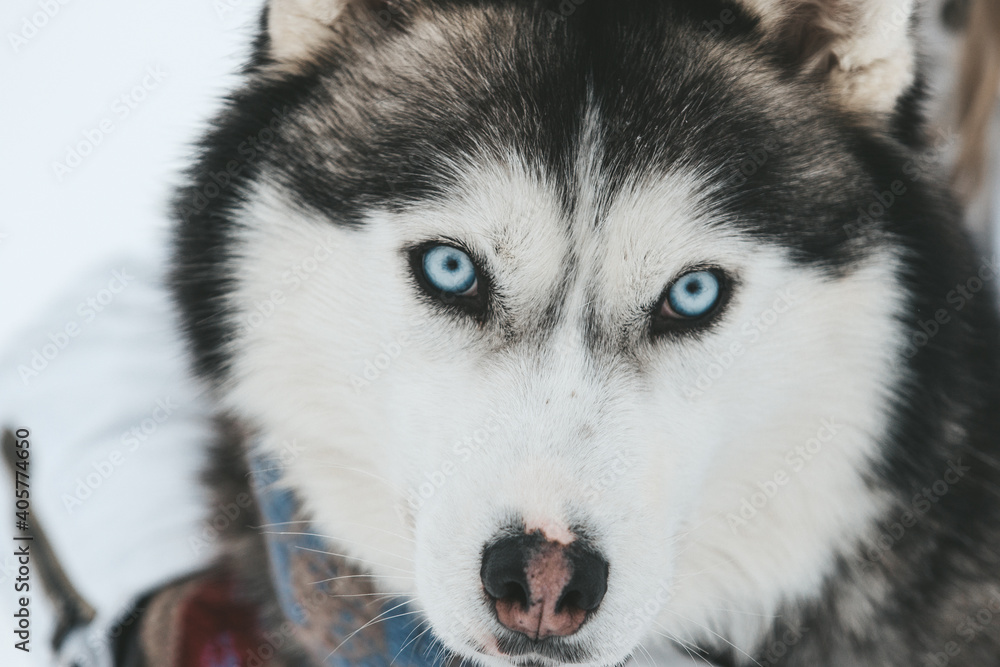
[451,276]
[693,295]
[450,271]
[692,300]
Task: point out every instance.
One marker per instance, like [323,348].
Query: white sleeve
[118,435]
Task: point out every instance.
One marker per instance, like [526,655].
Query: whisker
[378,619]
[335,539]
[409,641]
[716,634]
[647,654]
[360,560]
[387,596]
[687,646]
[325,464]
[442,654]
[349,523]
[362,576]
[735,610]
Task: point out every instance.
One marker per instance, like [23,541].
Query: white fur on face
[424,433]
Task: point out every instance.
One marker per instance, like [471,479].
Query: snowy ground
[126,86]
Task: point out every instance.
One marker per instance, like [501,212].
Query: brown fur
[979,85]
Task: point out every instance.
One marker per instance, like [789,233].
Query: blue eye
[450,270]
[693,295]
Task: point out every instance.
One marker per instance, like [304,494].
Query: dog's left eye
[450,271]
[693,296]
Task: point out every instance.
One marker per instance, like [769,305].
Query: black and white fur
[588,153]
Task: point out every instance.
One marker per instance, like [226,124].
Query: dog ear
[861,49]
[296,29]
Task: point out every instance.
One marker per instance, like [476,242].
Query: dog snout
[541,588]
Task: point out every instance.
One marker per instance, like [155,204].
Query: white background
[62,84]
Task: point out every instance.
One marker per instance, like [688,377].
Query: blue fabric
[396,637]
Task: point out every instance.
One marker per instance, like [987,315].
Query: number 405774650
[22,456]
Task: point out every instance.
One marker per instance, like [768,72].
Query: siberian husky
[583,327]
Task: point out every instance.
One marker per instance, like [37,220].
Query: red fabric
[219,631]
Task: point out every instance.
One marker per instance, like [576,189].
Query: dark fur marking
[665,101]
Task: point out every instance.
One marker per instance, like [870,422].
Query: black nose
[542,588]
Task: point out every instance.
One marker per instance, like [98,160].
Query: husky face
[563,410]
[554,377]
